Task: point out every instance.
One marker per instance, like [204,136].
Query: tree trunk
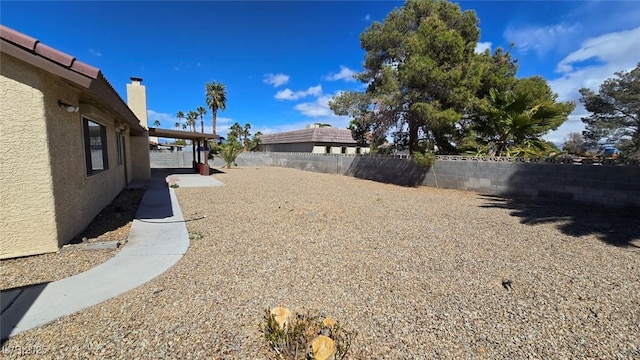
[413,137]
[214,116]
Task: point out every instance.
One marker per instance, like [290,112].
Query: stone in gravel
[506,283]
[329,322]
[282,316]
[323,348]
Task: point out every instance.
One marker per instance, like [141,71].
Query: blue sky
[282,61]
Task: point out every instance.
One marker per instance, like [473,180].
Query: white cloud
[367,17]
[320,107]
[541,39]
[482,46]
[617,47]
[287,94]
[276,79]
[603,55]
[597,59]
[345,74]
[95,52]
[321,112]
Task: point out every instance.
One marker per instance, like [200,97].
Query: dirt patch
[114,221]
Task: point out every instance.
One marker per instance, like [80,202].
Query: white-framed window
[119,142]
[95,146]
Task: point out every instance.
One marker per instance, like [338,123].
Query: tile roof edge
[35,46]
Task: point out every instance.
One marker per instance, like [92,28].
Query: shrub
[424,159]
[304,336]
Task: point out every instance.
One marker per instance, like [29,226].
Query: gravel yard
[416,273]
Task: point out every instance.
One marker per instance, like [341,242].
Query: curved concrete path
[157,240]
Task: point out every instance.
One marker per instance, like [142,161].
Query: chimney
[137,100]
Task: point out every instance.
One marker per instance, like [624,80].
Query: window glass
[119,139]
[95,141]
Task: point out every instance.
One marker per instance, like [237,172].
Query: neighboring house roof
[97,89]
[314,135]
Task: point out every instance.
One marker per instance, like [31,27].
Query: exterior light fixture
[70,108]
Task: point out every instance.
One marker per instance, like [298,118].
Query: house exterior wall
[314,148]
[139,149]
[50,199]
[317,149]
[295,147]
[28,220]
[79,197]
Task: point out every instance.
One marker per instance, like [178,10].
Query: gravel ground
[416,273]
[113,223]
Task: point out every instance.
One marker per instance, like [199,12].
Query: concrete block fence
[611,186]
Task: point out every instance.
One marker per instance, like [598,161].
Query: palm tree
[229,151]
[255,142]
[245,135]
[191,120]
[216,99]
[156,123]
[512,122]
[180,116]
[177,125]
[201,111]
[235,131]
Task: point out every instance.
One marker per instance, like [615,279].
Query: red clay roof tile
[18,38]
[47,52]
[85,69]
[54,55]
[98,84]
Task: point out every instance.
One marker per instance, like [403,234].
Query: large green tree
[511,122]
[615,113]
[216,94]
[423,77]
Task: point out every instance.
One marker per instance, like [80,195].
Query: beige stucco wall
[137,101]
[79,197]
[27,219]
[319,149]
[48,197]
[141,163]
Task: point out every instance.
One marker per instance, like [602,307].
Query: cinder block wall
[612,186]
[167,159]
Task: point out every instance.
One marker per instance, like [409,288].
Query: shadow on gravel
[618,227]
[15,304]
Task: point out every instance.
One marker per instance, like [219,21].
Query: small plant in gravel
[195,236]
[304,336]
[174,186]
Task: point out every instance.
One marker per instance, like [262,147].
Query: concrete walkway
[157,240]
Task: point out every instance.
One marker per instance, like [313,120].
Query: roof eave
[98,85]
